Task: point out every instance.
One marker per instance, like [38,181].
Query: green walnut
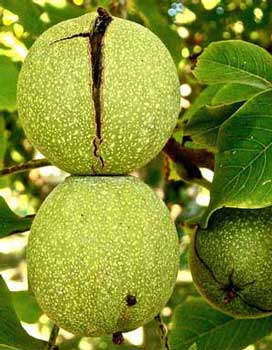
[103,255]
[231,261]
[98,94]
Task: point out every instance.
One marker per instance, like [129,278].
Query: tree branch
[32,164]
[52,339]
[163,332]
[118,8]
[190,158]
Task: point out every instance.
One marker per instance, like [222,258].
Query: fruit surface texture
[102,255]
[231,261]
[90,106]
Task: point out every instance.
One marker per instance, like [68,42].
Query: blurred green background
[185,33]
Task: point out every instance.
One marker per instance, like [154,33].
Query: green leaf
[12,334]
[10,222]
[26,306]
[193,347]
[29,14]
[243,164]
[8,83]
[157,22]
[196,322]
[204,98]
[204,125]
[235,61]
[232,93]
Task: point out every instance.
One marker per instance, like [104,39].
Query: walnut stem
[52,339]
[163,332]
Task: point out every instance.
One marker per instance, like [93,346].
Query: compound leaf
[204,125]
[235,61]
[243,164]
[195,322]
[12,334]
[232,93]
[10,222]
[26,306]
[203,99]
[8,82]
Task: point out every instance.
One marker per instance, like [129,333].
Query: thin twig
[189,157]
[52,339]
[163,332]
[118,8]
[32,164]
[201,182]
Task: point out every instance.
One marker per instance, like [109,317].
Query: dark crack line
[203,262]
[96,42]
[252,305]
[231,286]
[78,35]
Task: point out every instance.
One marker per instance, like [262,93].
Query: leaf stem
[32,164]
[163,332]
[52,339]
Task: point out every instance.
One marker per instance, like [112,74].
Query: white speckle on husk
[140,99]
[94,241]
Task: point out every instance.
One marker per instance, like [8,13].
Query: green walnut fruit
[98,94]
[231,261]
[102,255]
